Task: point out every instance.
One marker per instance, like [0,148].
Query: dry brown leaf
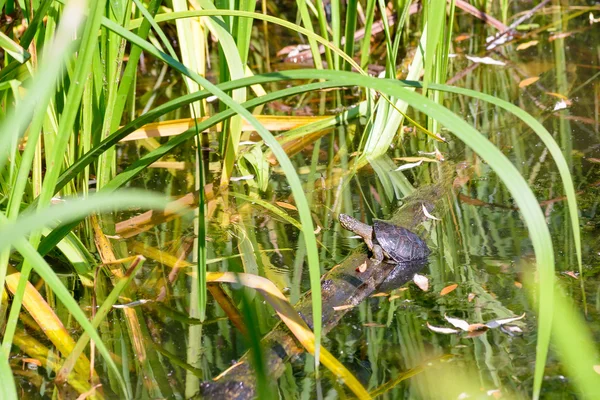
[571,274]
[394,297]
[33,361]
[362,267]
[528,81]
[526,45]
[461,37]
[373,325]
[286,205]
[558,95]
[342,308]
[477,327]
[594,160]
[448,289]
[380,294]
[476,333]
[561,35]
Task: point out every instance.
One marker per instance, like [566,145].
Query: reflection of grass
[79,93]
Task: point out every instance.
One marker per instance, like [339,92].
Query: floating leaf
[426,213]
[527,45]
[241,178]
[486,60]
[286,205]
[342,308]
[528,81]
[458,323]
[572,274]
[362,267]
[445,331]
[380,294]
[561,35]
[448,289]
[558,95]
[409,166]
[422,282]
[561,105]
[373,325]
[461,37]
[476,333]
[499,322]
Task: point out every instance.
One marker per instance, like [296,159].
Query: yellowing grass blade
[178,126]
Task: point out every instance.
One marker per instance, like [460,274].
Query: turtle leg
[377,255]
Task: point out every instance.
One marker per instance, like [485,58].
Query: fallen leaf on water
[241,178]
[476,333]
[526,45]
[486,60]
[464,36]
[421,281]
[572,274]
[502,321]
[448,289]
[362,267]
[33,361]
[510,329]
[558,95]
[445,331]
[286,205]
[380,294]
[528,81]
[409,166]
[426,213]
[561,105]
[373,325]
[477,328]
[561,35]
[460,181]
[342,308]
[458,323]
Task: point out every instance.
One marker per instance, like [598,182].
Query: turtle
[388,242]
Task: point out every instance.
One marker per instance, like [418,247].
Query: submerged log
[342,286]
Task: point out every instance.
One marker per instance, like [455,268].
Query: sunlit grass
[69,107]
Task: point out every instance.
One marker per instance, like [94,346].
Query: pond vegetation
[172,174]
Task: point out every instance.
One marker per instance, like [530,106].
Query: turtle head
[354,225]
[347,222]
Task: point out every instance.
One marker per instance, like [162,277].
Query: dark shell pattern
[400,244]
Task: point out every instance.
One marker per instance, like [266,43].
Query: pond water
[481,248]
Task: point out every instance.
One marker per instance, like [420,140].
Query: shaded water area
[480,245]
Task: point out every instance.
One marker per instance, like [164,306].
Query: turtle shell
[399,244]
